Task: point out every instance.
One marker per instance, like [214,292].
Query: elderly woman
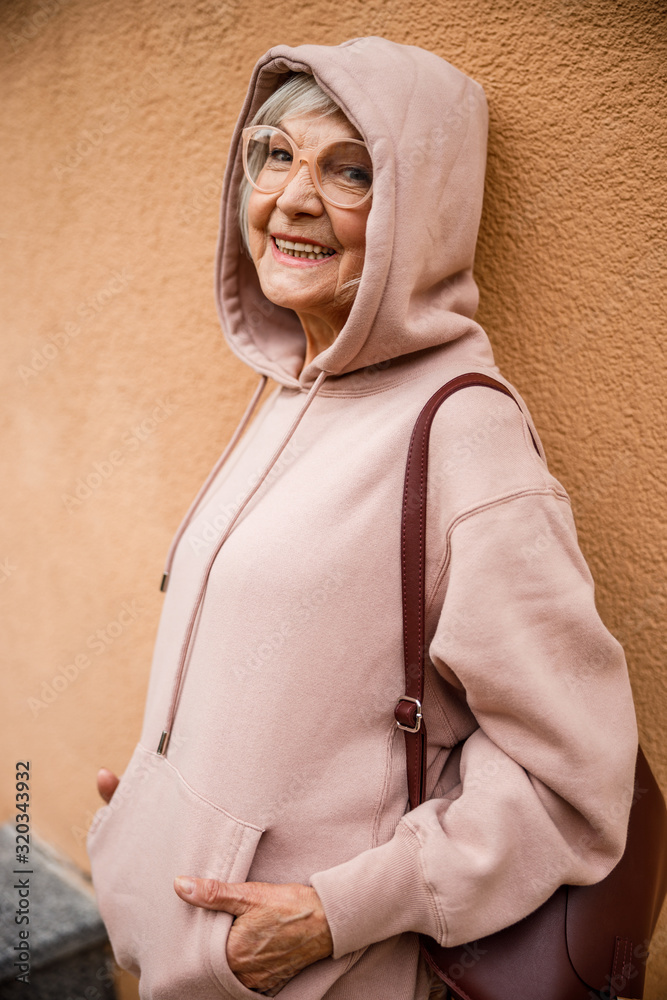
[260,838]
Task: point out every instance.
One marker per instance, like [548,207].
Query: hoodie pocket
[156,827]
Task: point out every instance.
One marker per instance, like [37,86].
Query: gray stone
[66,934]
[88,975]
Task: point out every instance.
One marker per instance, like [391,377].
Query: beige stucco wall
[115,120]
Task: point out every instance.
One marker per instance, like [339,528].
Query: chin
[285,294]
[295,303]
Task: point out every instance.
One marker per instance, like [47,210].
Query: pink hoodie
[278,661]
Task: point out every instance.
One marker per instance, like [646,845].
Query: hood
[425,124]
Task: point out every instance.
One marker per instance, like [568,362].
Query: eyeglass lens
[344,169]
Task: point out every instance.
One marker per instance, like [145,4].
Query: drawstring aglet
[163,585]
[162,745]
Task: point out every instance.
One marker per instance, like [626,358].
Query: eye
[347,167]
[279,155]
[358,175]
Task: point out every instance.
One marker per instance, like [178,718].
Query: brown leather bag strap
[408,711]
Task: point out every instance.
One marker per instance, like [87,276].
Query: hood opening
[425,124]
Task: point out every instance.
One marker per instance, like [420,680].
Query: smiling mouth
[307,251]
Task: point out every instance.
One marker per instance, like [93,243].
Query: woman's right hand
[107,782]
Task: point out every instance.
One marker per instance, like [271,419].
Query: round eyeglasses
[341,171]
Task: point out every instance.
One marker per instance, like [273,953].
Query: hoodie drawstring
[164,738]
[192,509]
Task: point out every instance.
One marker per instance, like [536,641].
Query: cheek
[259,210]
[350,231]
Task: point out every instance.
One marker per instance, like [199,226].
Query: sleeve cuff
[378,894]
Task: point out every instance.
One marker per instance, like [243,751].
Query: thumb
[107,783]
[213,895]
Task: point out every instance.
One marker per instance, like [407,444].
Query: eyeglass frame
[301,156]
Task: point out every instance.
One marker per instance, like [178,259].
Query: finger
[107,782]
[213,895]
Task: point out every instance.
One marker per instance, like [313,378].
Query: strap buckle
[418,715]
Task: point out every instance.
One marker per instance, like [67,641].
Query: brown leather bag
[587,941]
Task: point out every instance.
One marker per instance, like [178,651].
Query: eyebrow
[287,132]
[291,135]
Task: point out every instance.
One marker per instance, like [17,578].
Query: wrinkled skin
[318,295]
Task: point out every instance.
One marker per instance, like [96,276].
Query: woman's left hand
[279,930]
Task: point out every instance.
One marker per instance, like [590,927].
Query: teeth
[306,250]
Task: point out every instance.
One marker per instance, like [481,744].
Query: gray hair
[299,95]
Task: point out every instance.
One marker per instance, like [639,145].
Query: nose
[301,195]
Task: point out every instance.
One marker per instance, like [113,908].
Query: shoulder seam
[479,508]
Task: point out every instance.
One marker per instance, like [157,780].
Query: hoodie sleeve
[546,780]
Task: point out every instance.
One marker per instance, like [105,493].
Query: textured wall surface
[115,121]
